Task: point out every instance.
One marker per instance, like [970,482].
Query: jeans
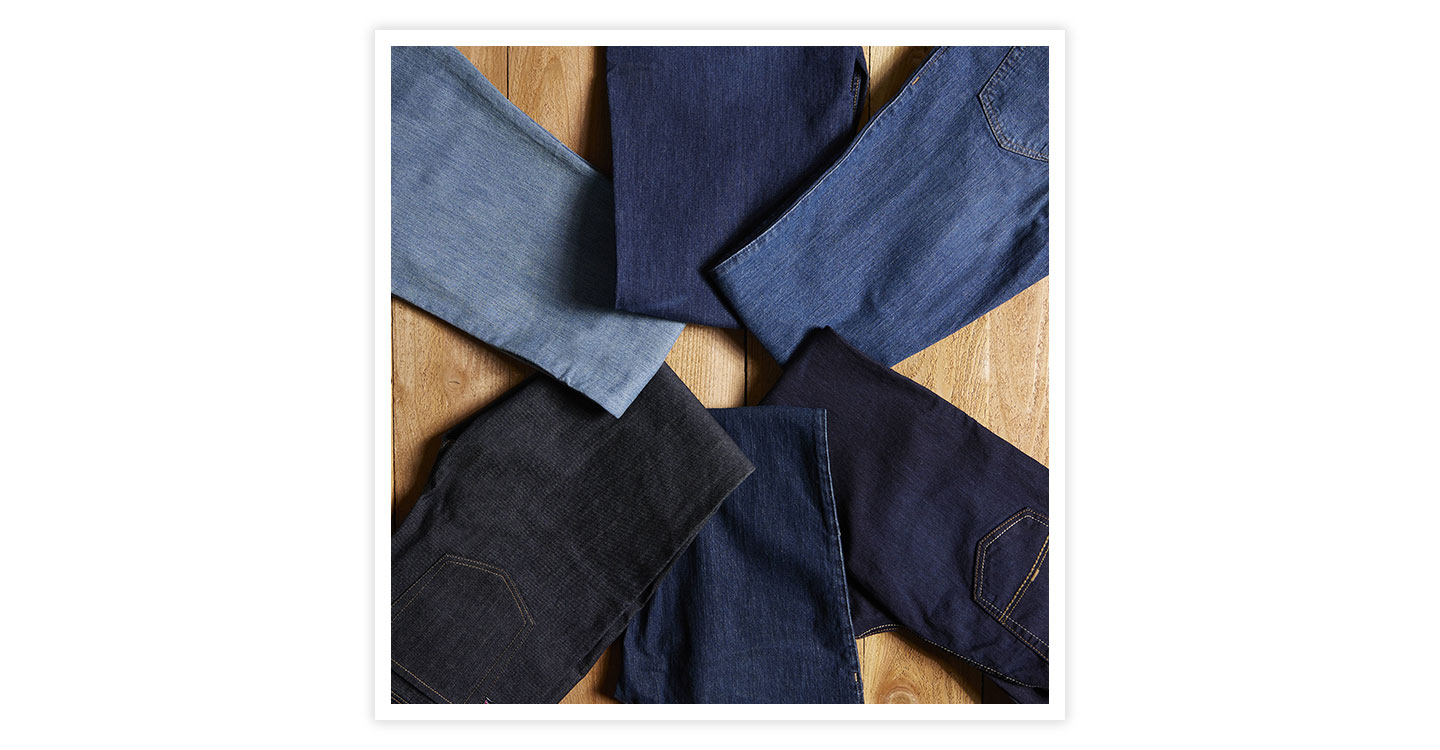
[501,231]
[937,213]
[946,525]
[545,526]
[756,610]
[707,142]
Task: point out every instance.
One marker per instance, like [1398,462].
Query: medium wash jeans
[503,232]
[946,526]
[756,610]
[708,141]
[545,526]
[937,213]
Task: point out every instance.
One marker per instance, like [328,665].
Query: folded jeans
[945,525]
[545,525]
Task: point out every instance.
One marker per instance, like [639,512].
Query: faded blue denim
[709,142]
[756,610]
[937,213]
[503,232]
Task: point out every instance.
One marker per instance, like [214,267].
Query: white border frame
[384,40]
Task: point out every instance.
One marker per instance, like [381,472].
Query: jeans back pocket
[454,630]
[1016,101]
[1011,577]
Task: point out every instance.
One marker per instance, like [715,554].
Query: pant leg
[504,233]
[937,213]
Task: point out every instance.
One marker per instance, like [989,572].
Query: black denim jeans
[546,524]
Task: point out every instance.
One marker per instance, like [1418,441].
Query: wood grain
[994,369]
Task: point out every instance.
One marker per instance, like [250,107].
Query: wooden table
[996,369]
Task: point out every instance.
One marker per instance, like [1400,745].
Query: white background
[188,421]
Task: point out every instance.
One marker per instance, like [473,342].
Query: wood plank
[897,667]
[563,89]
[711,362]
[997,370]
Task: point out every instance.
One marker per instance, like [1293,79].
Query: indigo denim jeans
[756,610]
[545,526]
[936,213]
[708,142]
[506,234]
[946,526]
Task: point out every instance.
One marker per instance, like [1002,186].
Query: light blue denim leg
[503,232]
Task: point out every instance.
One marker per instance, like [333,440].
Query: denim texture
[545,525]
[708,142]
[935,214]
[946,525]
[756,610]
[503,232]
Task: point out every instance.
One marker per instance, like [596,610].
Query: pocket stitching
[521,607]
[982,554]
[992,117]
[1030,577]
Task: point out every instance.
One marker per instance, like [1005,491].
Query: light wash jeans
[503,232]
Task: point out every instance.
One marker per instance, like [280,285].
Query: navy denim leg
[756,610]
[937,213]
[546,524]
[503,232]
[708,141]
[946,525]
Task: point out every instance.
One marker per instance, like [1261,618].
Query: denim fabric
[707,142]
[937,213]
[501,231]
[945,524]
[545,526]
[755,611]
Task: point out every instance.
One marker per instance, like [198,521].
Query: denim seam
[449,559]
[1007,622]
[1029,578]
[727,265]
[832,521]
[510,588]
[992,116]
[878,629]
[397,697]
[418,677]
[988,541]
[982,553]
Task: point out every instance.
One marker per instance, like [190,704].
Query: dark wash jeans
[937,213]
[756,610]
[708,142]
[946,526]
[546,524]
